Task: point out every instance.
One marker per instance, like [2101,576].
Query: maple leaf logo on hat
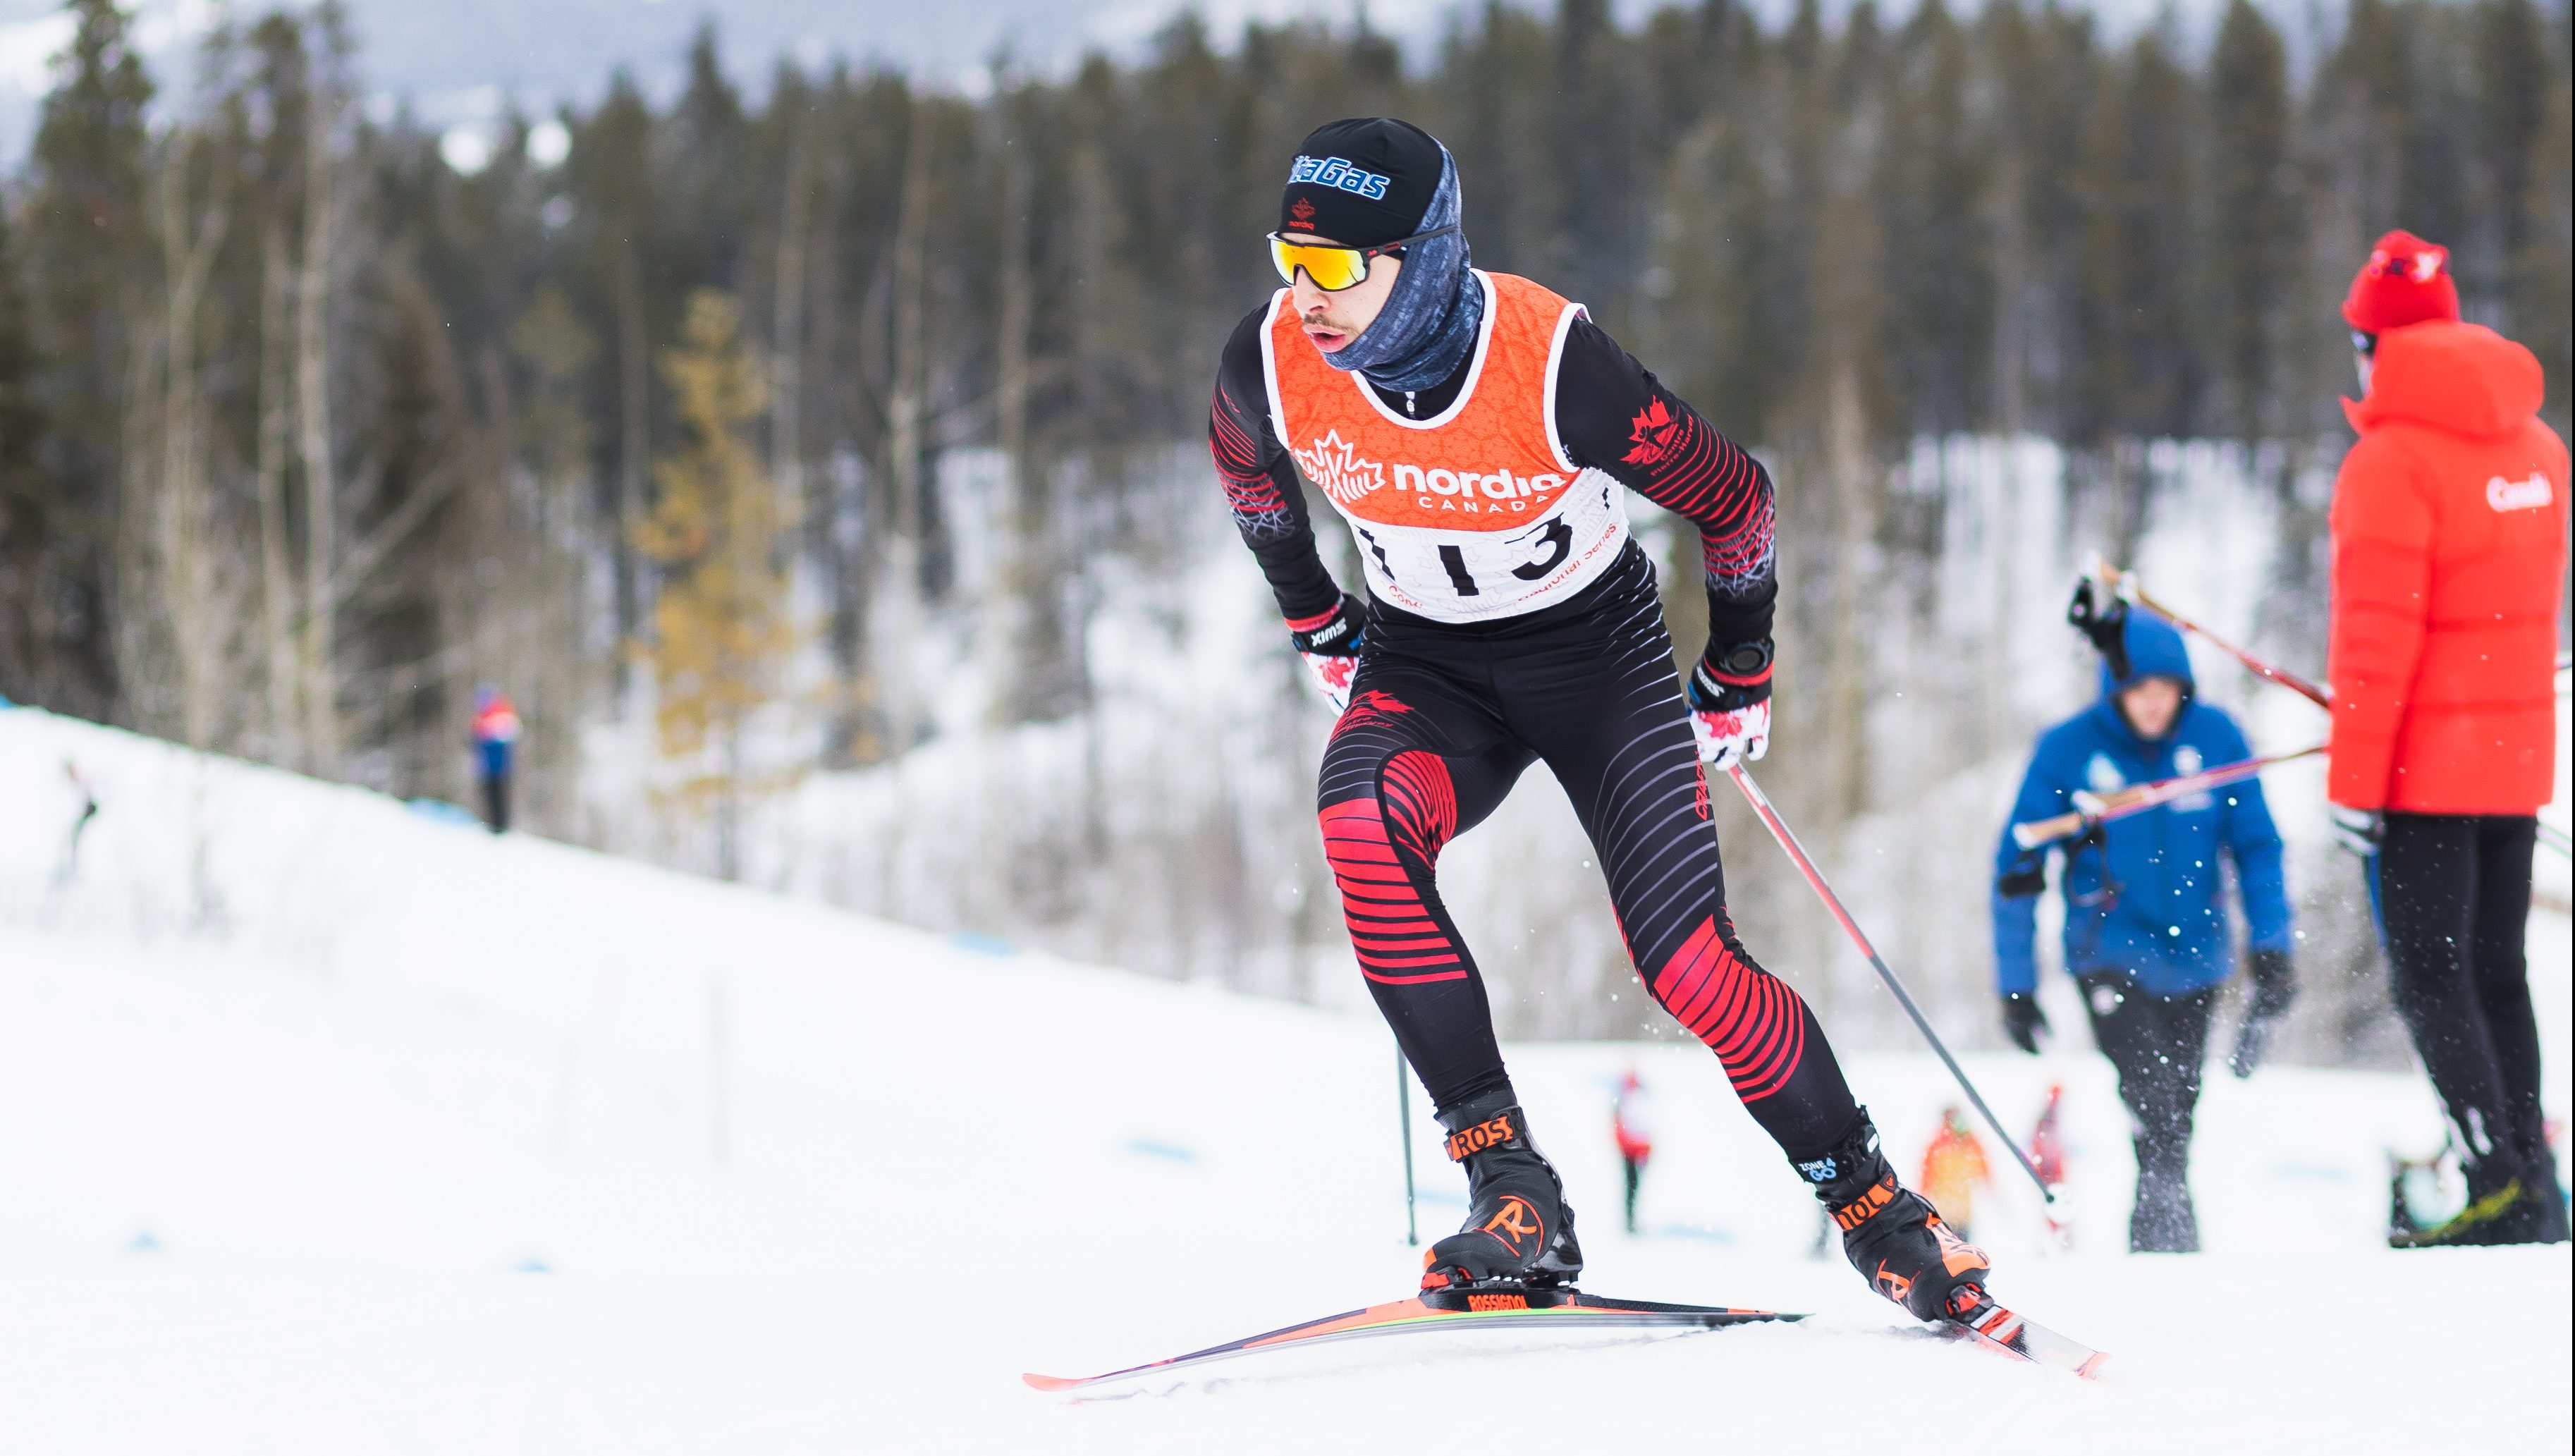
[1303,212]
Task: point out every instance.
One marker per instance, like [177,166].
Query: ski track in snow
[327,1127]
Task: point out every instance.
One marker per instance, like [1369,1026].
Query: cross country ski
[1445,1310]
[1989,1325]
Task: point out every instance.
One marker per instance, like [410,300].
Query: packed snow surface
[330,1125]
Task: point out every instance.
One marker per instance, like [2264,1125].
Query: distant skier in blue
[2146,932]
[496,740]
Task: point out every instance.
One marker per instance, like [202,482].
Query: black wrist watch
[1745,660]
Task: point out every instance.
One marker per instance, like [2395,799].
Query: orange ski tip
[1049,1382]
[2092,1369]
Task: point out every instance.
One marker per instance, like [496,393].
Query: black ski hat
[1364,181]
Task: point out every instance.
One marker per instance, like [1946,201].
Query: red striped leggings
[1443,720]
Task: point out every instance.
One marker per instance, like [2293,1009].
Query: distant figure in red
[2047,1140]
[2047,1155]
[1951,1168]
[496,741]
[1627,1123]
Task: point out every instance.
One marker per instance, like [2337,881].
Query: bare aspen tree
[1019,306]
[897,596]
[634,440]
[1018,612]
[276,576]
[2011,207]
[911,367]
[313,432]
[1854,471]
[188,246]
[787,317]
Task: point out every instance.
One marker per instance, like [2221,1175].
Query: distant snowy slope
[329,1126]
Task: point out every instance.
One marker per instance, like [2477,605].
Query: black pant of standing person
[2454,896]
[2158,1044]
[496,800]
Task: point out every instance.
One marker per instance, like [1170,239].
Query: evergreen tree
[2510,97]
[2251,250]
[1932,172]
[2544,296]
[28,632]
[2138,308]
[89,250]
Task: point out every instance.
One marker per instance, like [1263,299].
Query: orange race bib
[1472,513]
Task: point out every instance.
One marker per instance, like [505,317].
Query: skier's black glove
[2026,878]
[2023,1020]
[1329,644]
[2105,622]
[2276,986]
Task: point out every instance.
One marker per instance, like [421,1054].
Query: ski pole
[1404,1111]
[1797,852]
[2100,809]
[2125,585]
[2555,838]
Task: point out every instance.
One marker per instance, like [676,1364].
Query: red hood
[2463,378]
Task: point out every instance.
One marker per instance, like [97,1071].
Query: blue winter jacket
[2150,901]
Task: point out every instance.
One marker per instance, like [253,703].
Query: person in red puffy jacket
[2449,549]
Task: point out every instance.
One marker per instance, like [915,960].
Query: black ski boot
[1892,1235]
[1518,1232]
[2522,1212]
[2163,1220]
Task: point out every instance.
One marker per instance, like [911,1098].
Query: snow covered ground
[329,1126]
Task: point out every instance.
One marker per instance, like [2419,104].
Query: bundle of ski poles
[2090,809]
[2099,809]
[2126,587]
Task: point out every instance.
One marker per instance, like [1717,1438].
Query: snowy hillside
[329,1125]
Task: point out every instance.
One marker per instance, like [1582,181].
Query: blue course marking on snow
[1152,1149]
[1690,1230]
[439,811]
[535,1266]
[980,944]
[143,1243]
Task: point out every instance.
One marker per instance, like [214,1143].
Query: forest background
[817,464]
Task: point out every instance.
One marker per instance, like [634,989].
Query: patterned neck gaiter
[1432,319]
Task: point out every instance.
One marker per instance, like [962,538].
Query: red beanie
[2405,281]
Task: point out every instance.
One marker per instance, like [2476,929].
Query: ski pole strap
[1502,1128]
[1864,1207]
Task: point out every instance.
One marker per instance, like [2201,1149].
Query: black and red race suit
[1445,716]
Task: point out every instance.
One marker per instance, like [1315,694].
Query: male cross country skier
[1476,430]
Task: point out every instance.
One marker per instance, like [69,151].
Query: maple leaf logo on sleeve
[1652,431]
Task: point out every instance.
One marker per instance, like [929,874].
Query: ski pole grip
[2047,831]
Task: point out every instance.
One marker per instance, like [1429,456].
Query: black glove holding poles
[2276,986]
[2023,1020]
[2105,622]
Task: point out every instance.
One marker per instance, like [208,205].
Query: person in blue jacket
[2146,931]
